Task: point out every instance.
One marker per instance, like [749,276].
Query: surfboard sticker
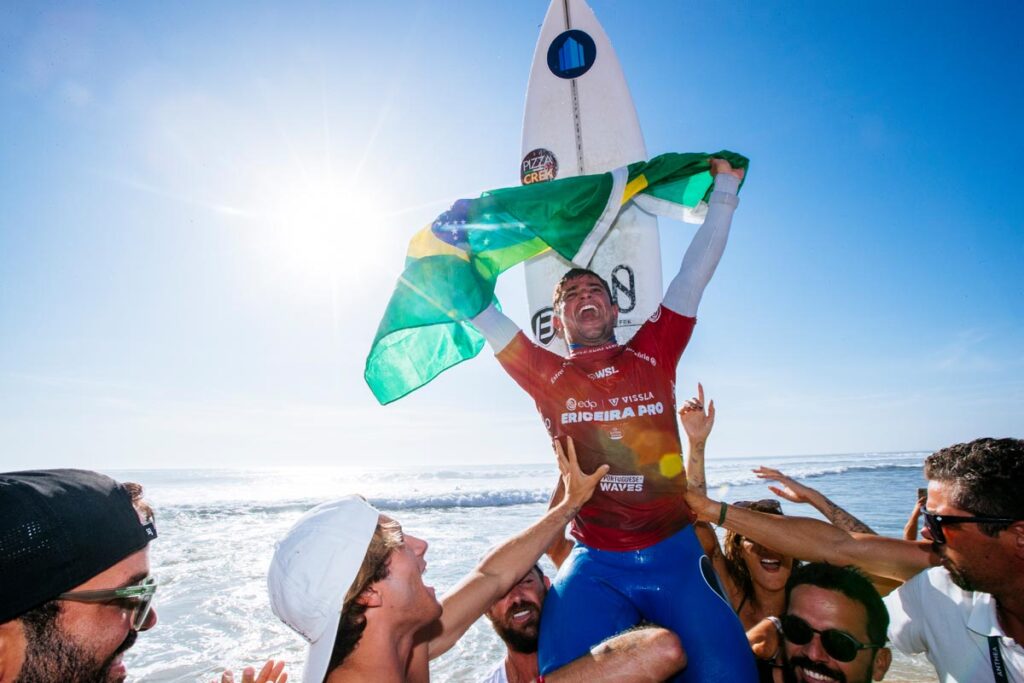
[571,54]
[538,166]
[580,115]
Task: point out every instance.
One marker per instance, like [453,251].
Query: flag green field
[452,265]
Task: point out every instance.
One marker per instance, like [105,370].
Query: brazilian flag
[452,264]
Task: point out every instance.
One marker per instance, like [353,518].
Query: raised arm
[816,541]
[795,492]
[705,251]
[697,425]
[498,329]
[507,563]
[561,546]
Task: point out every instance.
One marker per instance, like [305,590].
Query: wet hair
[575,274]
[852,583]
[375,567]
[986,477]
[732,550]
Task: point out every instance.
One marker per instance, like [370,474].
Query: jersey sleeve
[528,364]
[664,336]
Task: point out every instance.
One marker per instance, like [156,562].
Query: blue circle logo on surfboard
[571,54]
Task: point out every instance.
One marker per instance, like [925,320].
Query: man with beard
[646,653]
[966,615]
[75,588]
[833,627]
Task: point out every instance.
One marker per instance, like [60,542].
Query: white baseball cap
[313,567]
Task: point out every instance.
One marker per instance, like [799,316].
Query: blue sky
[203,209]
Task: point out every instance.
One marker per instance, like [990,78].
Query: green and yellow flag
[452,264]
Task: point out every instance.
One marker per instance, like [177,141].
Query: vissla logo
[614,402]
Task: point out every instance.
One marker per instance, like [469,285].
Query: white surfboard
[580,119]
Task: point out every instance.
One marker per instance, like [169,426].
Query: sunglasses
[137,599]
[839,645]
[768,504]
[934,523]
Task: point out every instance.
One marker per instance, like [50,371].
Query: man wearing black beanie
[75,588]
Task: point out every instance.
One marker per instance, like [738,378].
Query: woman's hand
[696,423]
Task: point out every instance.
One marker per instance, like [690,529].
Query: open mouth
[587,311]
[523,614]
[808,675]
[771,565]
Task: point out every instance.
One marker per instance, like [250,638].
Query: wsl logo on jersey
[571,54]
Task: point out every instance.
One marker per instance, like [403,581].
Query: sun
[326,227]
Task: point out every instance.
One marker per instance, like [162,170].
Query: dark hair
[852,583]
[574,274]
[733,553]
[141,506]
[375,567]
[987,476]
[40,620]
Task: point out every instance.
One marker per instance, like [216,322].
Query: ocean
[217,531]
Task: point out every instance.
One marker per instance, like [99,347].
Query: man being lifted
[636,556]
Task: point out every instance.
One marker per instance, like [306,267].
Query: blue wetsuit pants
[599,593]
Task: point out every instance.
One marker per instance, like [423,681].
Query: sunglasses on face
[839,645]
[137,600]
[934,523]
[766,504]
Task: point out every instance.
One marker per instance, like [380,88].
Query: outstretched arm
[705,251]
[816,541]
[795,492]
[507,563]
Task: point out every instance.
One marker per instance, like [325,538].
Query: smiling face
[826,609]
[768,569]
[584,312]
[78,641]
[516,617]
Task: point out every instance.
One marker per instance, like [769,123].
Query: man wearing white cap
[350,582]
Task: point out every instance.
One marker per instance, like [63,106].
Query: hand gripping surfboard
[580,119]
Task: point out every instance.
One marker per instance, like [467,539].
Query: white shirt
[497,675]
[931,614]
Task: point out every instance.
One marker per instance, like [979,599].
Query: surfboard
[580,118]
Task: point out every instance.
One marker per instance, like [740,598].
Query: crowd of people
[645,588]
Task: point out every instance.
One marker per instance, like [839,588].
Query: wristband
[721,514]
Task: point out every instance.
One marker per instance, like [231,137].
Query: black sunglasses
[137,600]
[934,523]
[769,504]
[839,645]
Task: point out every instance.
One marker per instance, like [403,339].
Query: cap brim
[320,654]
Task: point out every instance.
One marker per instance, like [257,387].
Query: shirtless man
[351,583]
[636,555]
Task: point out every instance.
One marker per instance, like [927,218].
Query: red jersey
[618,404]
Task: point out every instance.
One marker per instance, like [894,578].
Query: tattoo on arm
[843,519]
[695,468]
